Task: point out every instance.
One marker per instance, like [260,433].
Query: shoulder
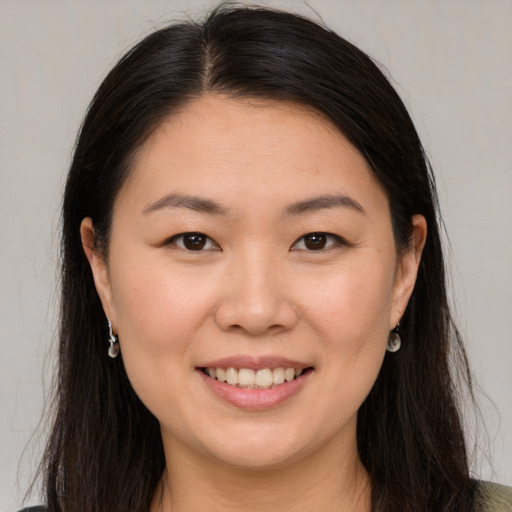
[39,508]
[493,497]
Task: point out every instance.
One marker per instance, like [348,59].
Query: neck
[332,480]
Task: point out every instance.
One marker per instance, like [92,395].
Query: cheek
[155,307]
[158,320]
[158,316]
[351,303]
[350,316]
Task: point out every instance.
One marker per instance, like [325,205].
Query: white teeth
[289,374]
[232,376]
[263,378]
[278,376]
[221,374]
[259,379]
[246,378]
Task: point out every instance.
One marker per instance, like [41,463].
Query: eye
[193,242]
[317,242]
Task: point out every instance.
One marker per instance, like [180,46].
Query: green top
[494,498]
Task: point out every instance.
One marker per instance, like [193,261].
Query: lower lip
[255,399]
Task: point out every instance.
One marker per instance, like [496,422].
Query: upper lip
[254,363]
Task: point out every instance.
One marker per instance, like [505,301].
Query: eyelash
[209,244]
[332,241]
[181,236]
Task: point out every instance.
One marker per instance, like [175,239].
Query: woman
[250,233]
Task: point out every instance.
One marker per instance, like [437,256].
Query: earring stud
[394,340]
[113,349]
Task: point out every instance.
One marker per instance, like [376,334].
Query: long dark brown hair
[105,451]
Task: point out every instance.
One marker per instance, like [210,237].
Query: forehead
[246,150]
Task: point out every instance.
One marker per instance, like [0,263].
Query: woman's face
[251,237]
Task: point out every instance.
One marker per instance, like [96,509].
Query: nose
[256,299]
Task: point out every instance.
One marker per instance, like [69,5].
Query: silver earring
[113,349]
[394,341]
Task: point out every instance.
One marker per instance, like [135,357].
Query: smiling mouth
[247,378]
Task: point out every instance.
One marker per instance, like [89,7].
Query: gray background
[451,61]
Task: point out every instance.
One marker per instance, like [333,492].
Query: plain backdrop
[451,61]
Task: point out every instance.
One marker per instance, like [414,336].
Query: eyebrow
[199,204]
[194,203]
[324,202]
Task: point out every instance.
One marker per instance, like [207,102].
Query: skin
[257,290]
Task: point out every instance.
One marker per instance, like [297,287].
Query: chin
[256,451]
[258,459]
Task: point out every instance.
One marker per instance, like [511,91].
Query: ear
[407,269]
[99,270]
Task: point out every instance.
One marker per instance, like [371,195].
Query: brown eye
[194,242]
[318,241]
[315,241]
